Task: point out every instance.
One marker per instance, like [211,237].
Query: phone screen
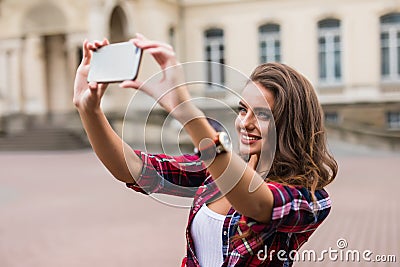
[115,63]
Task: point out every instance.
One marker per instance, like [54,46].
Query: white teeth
[246,137]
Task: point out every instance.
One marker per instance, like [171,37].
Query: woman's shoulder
[299,194]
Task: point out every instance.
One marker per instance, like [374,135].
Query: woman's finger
[93,85]
[253,161]
[164,57]
[85,50]
[91,47]
[105,42]
[102,88]
[131,84]
[99,44]
[86,54]
[146,44]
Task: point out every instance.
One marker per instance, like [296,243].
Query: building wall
[298,20]
[40,42]
[362,101]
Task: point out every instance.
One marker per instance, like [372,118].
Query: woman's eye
[242,110]
[263,115]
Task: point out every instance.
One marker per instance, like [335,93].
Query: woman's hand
[87,96]
[169,90]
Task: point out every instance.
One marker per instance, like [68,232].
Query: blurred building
[349,49]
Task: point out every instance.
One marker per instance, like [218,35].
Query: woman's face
[254,118]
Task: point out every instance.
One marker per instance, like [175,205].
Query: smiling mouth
[248,139]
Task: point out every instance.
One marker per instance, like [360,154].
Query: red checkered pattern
[294,217]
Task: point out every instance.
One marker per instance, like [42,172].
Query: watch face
[225,141]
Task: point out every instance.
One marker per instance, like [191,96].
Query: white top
[206,231]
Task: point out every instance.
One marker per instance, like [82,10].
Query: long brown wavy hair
[301,156]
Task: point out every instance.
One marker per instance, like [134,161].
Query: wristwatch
[221,144]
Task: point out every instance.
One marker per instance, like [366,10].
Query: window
[171,36]
[393,120]
[329,52]
[118,25]
[331,117]
[269,43]
[214,51]
[390,47]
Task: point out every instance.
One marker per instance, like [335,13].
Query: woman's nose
[247,122]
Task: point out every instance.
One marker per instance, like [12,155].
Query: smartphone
[115,63]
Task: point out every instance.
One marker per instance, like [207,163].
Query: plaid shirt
[294,217]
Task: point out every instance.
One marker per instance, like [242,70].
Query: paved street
[64,209]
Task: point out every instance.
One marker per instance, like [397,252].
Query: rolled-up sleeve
[294,211]
[173,175]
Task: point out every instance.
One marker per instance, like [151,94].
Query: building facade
[349,49]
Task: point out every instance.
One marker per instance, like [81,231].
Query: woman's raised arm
[234,177]
[107,145]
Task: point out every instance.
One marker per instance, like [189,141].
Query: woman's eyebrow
[257,109]
[241,104]
[262,109]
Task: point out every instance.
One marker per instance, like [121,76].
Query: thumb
[102,88]
[253,161]
[86,53]
[92,85]
[131,84]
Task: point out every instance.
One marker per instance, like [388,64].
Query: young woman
[232,222]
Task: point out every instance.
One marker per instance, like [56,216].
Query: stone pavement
[63,209]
